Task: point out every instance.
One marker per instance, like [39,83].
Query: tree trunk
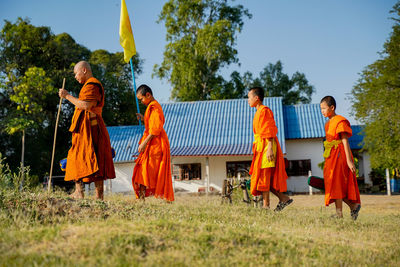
[22,161]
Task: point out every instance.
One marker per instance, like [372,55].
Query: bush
[12,180]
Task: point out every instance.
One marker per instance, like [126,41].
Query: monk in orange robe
[268,166]
[89,159]
[339,170]
[152,172]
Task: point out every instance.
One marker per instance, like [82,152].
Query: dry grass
[36,229]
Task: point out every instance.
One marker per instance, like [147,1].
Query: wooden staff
[54,142]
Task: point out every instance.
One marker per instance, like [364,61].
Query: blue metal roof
[124,140]
[304,121]
[224,127]
[201,128]
[216,123]
[356,140]
[218,150]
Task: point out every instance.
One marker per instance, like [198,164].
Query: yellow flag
[125,34]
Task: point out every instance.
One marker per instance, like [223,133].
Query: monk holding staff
[152,171]
[89,159]
[339,170]
[267,167]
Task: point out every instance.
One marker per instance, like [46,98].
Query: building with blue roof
[212,140]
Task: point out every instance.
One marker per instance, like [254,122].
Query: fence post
[207,176]
[310,191]
[388,182]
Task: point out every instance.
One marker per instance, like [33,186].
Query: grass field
[37,230]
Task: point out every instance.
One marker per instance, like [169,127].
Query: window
[233,167]
[186,171]
[298,167]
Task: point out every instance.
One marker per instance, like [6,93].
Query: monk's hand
[142,147]
[139,117]
[352,167]
[63,93]
[270,153]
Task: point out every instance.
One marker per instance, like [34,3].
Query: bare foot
[99,190]
[339,213]
[76,195]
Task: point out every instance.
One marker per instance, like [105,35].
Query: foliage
[376,102]
[115,75]
[236,87]
[29,93]
[11,181]
[37,228]
[201,35]
[378,178]
[34,57]
[294,90]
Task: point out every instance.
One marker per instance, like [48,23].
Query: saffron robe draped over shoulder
[262,179]
[89,157]
[153,165]
[340,181]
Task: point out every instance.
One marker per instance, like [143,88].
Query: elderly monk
[339,169]
[89,159]
[268,166]
[152,172]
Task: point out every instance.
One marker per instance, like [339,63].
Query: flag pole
[134,89]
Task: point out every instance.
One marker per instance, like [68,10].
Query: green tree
[376,102]
[28,94]
[24,46]
[201,36]
[294,90]
[236,87]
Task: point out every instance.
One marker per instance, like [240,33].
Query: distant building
[212,140]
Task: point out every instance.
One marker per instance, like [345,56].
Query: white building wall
[218,168]
[303,149]
[299,149]
[217,171]
[123,180]
[192,185]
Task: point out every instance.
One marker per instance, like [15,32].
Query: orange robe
[340,181]
[263,178]
[90,156]
[153,166]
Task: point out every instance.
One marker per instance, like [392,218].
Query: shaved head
[143,89]
[84,65]
[329,100]
[258,91]
[82,71]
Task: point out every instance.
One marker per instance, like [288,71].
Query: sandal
[354,213]
[282,205]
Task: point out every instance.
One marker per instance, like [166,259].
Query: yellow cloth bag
[328,147]
[259,142]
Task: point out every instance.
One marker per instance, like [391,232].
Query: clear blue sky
[331,41]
